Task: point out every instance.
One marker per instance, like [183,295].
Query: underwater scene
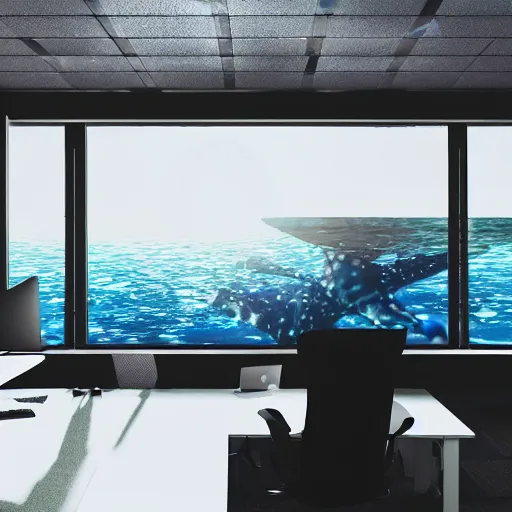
[309,273]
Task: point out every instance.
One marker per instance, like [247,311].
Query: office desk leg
[451,475]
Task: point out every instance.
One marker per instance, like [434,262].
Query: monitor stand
[257,393]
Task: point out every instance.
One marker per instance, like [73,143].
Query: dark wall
[366,106]
[467,373]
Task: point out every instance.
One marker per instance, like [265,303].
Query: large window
[490,235]
[251,235]
[36,219]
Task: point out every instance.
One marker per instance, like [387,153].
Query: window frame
[465,234]
[76,247]
[69,296]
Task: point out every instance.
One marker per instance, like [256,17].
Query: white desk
[173,454]
[14,366]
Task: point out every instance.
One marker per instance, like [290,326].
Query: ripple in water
[159,293]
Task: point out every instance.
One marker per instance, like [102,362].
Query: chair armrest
[407,423]
[404,427]
[285,459]
[275,421]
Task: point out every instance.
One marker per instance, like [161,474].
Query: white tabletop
[155,450]
[14,366]
[432,419]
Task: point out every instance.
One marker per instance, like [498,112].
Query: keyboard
[16,413]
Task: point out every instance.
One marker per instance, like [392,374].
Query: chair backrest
[135,371]
[350,385]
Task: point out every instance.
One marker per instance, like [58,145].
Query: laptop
[259,379]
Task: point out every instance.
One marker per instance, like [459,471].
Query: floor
[402,499]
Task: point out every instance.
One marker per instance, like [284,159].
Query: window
[490,230]
[250,235]
[36,219]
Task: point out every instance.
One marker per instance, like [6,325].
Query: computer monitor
[20,321]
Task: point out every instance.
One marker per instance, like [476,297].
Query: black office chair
[345,450]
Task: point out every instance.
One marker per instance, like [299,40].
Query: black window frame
[78,110]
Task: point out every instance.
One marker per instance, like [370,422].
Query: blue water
[490,281]
[158,293]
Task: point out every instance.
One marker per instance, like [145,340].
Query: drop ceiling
[255,44]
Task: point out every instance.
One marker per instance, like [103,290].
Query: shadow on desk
[51,492]
[62,487]
[144,395]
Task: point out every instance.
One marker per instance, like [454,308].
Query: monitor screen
[20,324]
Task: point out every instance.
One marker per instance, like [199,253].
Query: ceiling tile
[340,81]
[282,46]
[178,26]
[18,63]
[94,63]
[32,81]
[190,80]
[14,47]
[54,26]
[103,80]
[492,63]
[477,26]
[270,26]
[368,26]
[152,7]
[404,80]
[271,63]
[429,63]
[484,81]
[449,46]
[499,47]
[184,47]
[43,7]
[5,31]
[79,46]
[353,63]
[379,7]
[268,80]
[182,63]
[274,7]
[359,46]
[475,7]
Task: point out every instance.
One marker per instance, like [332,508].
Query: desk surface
[13,366]
[156,450]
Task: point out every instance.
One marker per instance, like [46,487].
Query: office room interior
[255,256]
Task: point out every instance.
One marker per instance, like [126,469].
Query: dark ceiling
[256,44]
